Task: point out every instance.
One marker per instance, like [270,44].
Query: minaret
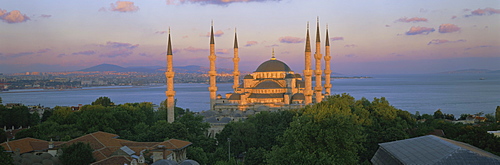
[328,85]
[170,82]
[307,71]
[317,55]
[236,59]
[212,73]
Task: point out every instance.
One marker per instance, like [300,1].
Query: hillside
[152,69]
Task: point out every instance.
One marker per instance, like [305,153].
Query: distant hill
[153,69]
[104,67]
[471,71]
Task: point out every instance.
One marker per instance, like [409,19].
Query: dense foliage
[339,130]
[78,153]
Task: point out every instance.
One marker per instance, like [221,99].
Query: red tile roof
[24,145]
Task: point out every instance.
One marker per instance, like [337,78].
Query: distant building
[430,150]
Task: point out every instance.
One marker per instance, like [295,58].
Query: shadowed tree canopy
[325,133]
[104,101]
[78,153]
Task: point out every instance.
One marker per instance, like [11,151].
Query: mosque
[273,86]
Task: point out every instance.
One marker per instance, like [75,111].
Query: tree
[479,114]
[497,114]
[326,133]
[438,114]
[197,154]
[5,157]
[104,101]
[78,153]
[255,156]
[464,116]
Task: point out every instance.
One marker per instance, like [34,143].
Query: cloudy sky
[366,36]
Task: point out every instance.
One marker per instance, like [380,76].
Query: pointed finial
[327,42]
[273,58]
[308,42]
[235,39]
[317,30]
[212,40]
[169,45]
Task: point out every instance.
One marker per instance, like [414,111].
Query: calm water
[452,93]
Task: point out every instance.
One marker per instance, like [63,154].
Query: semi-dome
[267,85]
[273,66]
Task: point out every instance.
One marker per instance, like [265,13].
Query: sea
[452,93]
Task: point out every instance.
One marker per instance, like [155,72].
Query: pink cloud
[479,47]
[185,37]
[212,2]
[441,41]
[161,32]
[14,16]
[124,6]
[419,30]
[45,16]
[414,19]
[453,17]
[222,51]
[120,45]
[485,11]
[448,28]
[251,43]
[218,33]
[15,55]
[336,38]
[88,52]
[44,50]
[193,49]
[289,39]
[350,46]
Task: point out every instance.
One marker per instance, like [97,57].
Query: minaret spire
[328,85]
[307,70]
[169,74]
[317,55]
[272,57]
[212,73]
[236,60]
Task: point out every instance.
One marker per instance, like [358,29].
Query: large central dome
[273,66]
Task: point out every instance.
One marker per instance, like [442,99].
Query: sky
[366,36]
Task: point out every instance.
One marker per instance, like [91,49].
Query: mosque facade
[273,86]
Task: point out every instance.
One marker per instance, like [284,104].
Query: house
[430,150]
[107,148]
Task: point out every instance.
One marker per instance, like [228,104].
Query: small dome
[290,76]
[189,162]
[267,85]
[248,77]
[165,162]
[235,96]
[297,75]
[298,96]
[273,66]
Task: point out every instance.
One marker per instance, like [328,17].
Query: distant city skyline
[366,37]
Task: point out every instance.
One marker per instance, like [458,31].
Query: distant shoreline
[351,77]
